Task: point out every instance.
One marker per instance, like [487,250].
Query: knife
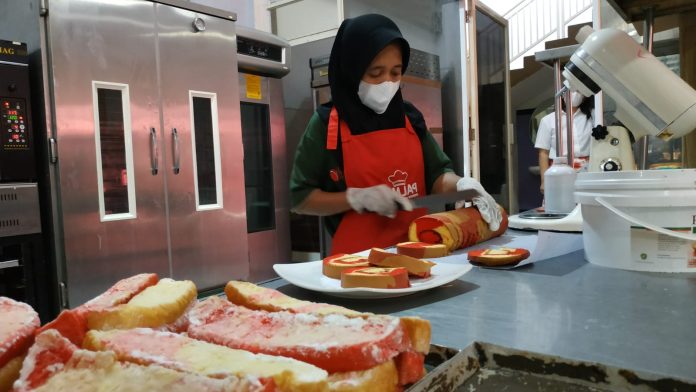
[437,201]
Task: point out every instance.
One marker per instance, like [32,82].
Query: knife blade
[437,201]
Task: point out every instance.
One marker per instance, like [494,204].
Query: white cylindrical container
[559,185]
[639,220]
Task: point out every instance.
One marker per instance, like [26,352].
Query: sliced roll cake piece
[415,267]
[421,250]
[497,257]
[332,266]
[376,277]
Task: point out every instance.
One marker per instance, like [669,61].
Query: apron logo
[335,174]
[398,181]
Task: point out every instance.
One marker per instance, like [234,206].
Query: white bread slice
[54,364]
[120,293]
[335,343]
[101,372]
[377,378]
[18,322]
[382,377]
[256,297]
[153,307]
[9,373]
[419,333]
[146,346]
[207,310]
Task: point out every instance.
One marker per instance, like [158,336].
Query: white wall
[500,6]
[419,21]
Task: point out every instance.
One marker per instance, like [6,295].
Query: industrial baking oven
[138,113]
[263,60]
[23,264]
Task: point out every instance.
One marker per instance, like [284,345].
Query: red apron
[393,157]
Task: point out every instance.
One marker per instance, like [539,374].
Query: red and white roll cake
[421,250]
[455,229]
[334,265]
[415,267]
[376,278]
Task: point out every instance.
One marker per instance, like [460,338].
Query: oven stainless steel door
[106,107]
[265,173]
[205,173]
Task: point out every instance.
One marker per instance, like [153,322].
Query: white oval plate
[308,276]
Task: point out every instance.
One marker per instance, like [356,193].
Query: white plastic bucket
[639,220]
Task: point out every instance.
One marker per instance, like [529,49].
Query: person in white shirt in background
[583,121]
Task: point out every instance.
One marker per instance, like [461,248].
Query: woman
[366,153]
[583,121]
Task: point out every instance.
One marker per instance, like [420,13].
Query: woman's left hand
[485,203]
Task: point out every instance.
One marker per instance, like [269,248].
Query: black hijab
[357,43]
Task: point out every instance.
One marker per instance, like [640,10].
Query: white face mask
[576,99]
[377,96]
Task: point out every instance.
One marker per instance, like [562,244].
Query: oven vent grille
[9,222]
[8,196]
[19,209]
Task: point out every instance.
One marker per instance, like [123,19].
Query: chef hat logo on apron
[398,181]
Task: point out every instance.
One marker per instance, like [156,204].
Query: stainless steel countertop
[563,306]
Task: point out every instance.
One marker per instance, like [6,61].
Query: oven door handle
[175,150]
[154,154]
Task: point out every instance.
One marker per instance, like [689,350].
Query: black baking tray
[487,367]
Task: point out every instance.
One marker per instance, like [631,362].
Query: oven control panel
[13,120]
[18,159]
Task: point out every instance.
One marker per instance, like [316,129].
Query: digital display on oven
[259,49]
[15,134]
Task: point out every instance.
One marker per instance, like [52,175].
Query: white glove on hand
[379,199]
[484,202]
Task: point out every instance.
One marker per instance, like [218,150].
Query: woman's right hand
[379,199]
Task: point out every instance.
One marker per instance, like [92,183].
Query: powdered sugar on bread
[335,343]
